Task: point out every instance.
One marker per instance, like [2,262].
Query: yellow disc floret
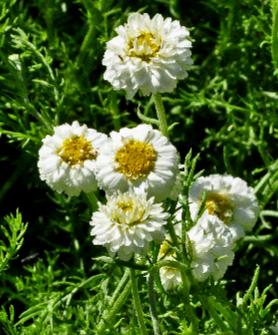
[135,159]
[127,211]
[144,46]
[220,205]
[75,150]
[126,205]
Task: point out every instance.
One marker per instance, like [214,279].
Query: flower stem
[160,111]
[137,303]
[120,287]
[189,312]
[152,299]
[109,315]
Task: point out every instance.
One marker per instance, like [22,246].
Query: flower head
[138,157]
[228,199]
[148,54]
[67,158]
[212,244]
[128,223]
[170,276]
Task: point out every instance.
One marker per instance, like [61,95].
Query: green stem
[189,311]
[147,119]
[120,287]
[269,213]
[137,303]
[252,288]
[152,299]
[160,111]
[114,108]
[109,315]
[85,46]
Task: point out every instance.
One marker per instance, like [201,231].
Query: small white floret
[170,277]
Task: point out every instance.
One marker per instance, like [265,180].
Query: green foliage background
[51,73]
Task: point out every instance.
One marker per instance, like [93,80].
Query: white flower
[128,223]
[212,244]
[138,158]
[67,159]
[170,277]
[227,198]
[148,54]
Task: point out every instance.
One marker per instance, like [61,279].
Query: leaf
[274,40]
[13,230]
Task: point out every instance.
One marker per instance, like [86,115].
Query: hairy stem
[137,302]
[152,299]
[120,287]
[160,111]
[109,315]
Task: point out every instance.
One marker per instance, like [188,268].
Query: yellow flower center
[135,159]
[125,206]
[75,150]
[220,205]
[144,46]
[127,211]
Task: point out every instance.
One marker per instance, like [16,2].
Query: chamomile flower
[228,199]
[170,277]
[128,223]
[67,158]
[212,248]
[148,54]
[139,157]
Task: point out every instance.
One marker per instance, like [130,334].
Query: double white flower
[231,210]
[139,157]
[212,248]
[170,276]
[67,159]
[211,251]
[128,223]
[148,54]
[228,199]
